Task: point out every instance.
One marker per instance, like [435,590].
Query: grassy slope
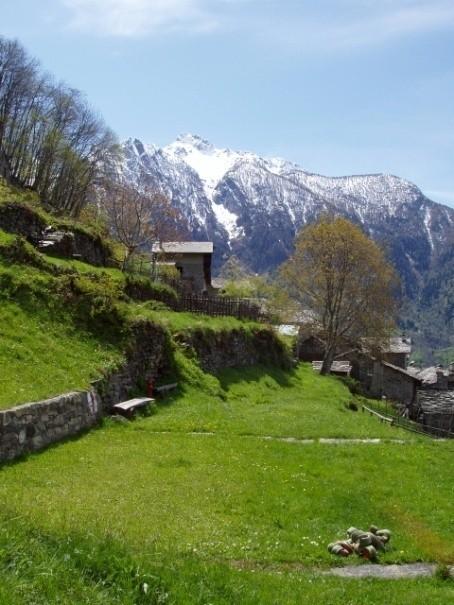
[92,520]
[183,507]
[41,357]
[43,352]
[46,347]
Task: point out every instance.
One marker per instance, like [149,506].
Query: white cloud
[350,24]
[319,25]
[138,17]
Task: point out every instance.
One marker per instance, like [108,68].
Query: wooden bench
[127,408]
[166,387]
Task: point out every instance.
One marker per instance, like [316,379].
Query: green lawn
[81,267]
[228,517]
[265,401]
[41,356]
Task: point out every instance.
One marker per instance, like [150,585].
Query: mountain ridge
[252,207]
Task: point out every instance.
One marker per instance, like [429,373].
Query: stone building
[193,261]
[397,351]
[434,409]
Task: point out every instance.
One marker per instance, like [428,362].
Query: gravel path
[387,572]
[371,570]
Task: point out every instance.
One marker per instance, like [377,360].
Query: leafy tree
[343,278]
[50,138]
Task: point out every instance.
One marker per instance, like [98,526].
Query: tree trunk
[327,361]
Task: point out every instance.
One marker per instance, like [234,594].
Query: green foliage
[8,193]
[143,288]
[344,279]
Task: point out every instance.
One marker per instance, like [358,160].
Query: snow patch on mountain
[227,219]
[209,163]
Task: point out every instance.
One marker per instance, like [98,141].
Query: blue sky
[339,86]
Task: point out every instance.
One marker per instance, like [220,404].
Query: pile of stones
[366,544]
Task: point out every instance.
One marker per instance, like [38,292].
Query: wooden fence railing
[220,306]
[213,305]
[409,425]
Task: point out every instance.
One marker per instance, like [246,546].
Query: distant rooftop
[184,247]
[395,344]
[427,375]
[399,344]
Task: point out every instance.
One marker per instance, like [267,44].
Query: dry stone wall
[31,427]
[21,220]
[236,348]
[146,354]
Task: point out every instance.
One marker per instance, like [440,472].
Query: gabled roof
[401,371]
[183,247]
[340,367]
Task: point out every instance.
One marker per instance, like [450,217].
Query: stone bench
[127,408]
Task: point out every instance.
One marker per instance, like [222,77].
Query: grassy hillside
[202,504]
[228,494]
[59,331]
[64,322]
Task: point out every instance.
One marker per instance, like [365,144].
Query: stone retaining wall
[236,348]
[32,426]
[146,354]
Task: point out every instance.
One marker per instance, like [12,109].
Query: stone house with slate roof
[193,261]
[435,410]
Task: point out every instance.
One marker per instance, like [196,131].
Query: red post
[150,387]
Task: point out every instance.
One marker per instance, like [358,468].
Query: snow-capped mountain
[252,206]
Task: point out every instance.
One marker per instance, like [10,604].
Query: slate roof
[410,374]
[395,344]
[427,375]
[436,402]
[183,247]
[398,344]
